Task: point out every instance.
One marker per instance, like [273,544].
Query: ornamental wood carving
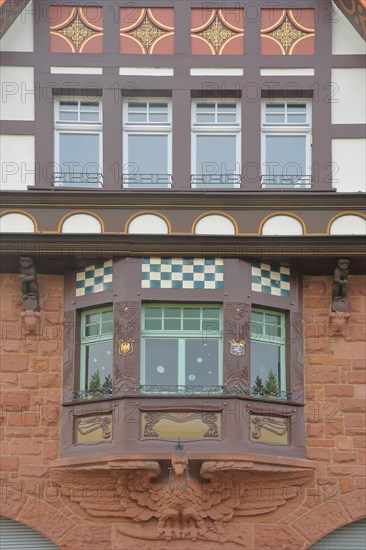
[236,327]
[126,328]
[69,341]
[138,494]
[297,355]
[152,418]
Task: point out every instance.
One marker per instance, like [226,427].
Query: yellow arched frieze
[87,212]
[24,213]
[282,213]
[151,213]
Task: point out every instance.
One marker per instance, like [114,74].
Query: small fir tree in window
[258,388]
[95,383]
[271,385]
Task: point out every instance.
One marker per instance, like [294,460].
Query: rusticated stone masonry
[31,381]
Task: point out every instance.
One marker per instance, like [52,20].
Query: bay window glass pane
[98,357]
[148,154]
[79,153]
[161,361]
[216,154]
[265,357]
[202,362]
[285,155]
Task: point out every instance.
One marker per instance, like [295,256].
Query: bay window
[181,348]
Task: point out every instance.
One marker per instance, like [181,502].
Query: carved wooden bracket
[136,491]
[338,323]
[31,321]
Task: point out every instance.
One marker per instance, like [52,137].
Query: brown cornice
[58,253]
[238,200]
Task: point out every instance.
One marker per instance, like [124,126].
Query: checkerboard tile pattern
[271,279]
[94,278]
[182,273]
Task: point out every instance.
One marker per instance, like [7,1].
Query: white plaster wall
[17,162]
[348,96]
[348,157]
[348,225]
[17,93]
[215,225]
[16,223]
[19,37]
[148,224]
[345,39]
[81,223]
[282,225]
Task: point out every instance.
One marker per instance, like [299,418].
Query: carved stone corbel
[338,323]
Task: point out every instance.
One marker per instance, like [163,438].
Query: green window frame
[268,347]
[181,348]
[96,348]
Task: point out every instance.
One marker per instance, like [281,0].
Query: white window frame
[147,128]
[78,127]
[218,129]
[181,335]
[288,129]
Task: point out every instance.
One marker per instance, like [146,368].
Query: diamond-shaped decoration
[94,278]
[271,279]
[199,273]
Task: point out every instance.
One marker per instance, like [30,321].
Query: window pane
[275,113]
[202,362]
[153,312]
[137,106]
[154,107]
[98,357]
[275,108]
[137,117]
[285,155]
[92,331]
[296,118]
[226,112]
[79,153]
[153,324]
[89,117]
[172,324]
[191,313]
[191,324]
[211,313]
[72,116]
[172,312]
[216,154]
[205,112]
[92,318]
[161,361]
[264,357]
[148,154]
[158,117]
[275,119]
[226,118]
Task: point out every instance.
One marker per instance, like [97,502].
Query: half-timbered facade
[183,271]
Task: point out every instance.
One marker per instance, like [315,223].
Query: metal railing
[92,394]
[216,180]
[286,181]
[147,180]
[77,179]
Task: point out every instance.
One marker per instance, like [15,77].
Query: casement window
[268,352]
[78,143]
[181,348]
[286,143]
[215,143]
[147,143]
[96,352]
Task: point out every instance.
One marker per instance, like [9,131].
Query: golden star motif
[77,32]
[147,33]
[287,34]
[216,34]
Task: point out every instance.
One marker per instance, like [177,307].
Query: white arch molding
[348,225]
[282,225]
[81,223]
[16,223]
[214,224]
[148,224]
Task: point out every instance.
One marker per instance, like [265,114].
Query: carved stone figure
[168,508]
[340,283]
[29,285]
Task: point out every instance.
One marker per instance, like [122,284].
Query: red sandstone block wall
[31,380]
